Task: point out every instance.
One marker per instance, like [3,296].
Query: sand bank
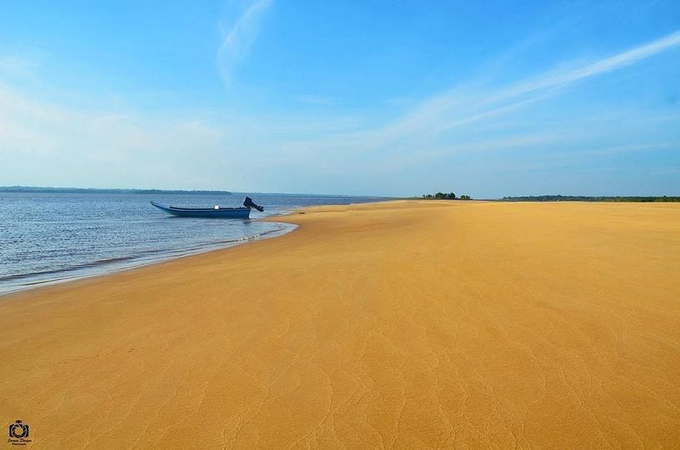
[403,324]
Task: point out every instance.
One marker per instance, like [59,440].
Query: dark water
[50,237]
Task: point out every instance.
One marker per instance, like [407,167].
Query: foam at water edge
[114,265]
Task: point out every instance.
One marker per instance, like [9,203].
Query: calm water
[49,237]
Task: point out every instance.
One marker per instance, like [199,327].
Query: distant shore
[398,324]
[72,190]
[585,198]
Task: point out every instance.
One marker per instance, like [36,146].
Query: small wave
[110,260]
[67,269]
[140,258]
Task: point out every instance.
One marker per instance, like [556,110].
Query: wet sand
[398,325]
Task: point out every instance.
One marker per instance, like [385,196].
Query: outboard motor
[248,203]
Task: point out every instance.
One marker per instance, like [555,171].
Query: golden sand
[403,324]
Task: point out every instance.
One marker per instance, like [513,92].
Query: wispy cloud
[462,106]
[17,66]
[119,148]
[433,141]
[238,36]
[472,119]
[320,100]
[602,66]
[668,171]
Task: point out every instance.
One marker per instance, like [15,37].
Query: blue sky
[488,98]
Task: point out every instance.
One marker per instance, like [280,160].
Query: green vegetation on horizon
[445,196]
[583,198]
[557,198]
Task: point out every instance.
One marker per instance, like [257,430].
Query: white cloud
[181,150]
[238,37]
[102,148]
[668,171]
[462,107]
[469,120]
[600,67]
[19,66]
[319,100]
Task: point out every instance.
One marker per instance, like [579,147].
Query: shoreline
[122,232]
[394,324]
[99,269]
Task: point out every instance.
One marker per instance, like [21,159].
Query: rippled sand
[404,324]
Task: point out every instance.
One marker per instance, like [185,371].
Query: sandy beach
[407,324]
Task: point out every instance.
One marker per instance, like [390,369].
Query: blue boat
[216,212]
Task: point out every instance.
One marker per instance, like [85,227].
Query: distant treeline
[445,196]
[30,189]
[580,198]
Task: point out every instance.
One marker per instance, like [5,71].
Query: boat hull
[205,213]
